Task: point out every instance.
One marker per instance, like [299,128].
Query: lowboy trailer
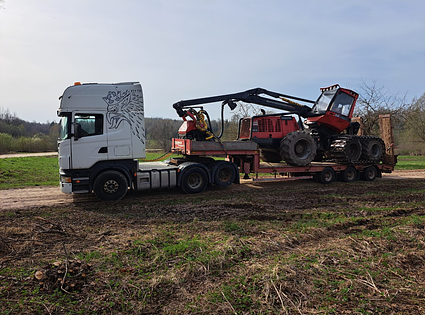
[245,154]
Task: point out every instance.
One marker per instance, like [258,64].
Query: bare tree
[161,131]
[374,101]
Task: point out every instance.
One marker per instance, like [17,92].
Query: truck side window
[89,124]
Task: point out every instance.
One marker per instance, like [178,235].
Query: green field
[35,171]
[29,171]
[406,162]
[44,171]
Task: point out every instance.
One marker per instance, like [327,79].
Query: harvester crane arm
[280,101]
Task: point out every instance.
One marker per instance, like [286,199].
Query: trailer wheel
[194,180]
[224,174]
[370,173]
[326,176]
[298,148]
[110,185]
[349,175]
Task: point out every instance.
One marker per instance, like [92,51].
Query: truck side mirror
[77,131]
[232,105]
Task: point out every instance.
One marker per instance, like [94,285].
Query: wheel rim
[111,186]
[225,174]
[194,181]
[370,173]
[376,151]
[351,175]
[354,150]
[328,176]
[302,149]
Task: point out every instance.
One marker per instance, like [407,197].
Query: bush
[6,143]
[38,143]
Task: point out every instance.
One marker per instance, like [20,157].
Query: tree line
[408,119]
[17,135]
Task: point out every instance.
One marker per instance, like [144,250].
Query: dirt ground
[294,247]
[52,196]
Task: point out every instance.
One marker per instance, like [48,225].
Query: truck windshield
[323,102]
[65,126]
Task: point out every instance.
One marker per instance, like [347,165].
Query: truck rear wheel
[224,174]
[298,148]
[194,180]
[110,185]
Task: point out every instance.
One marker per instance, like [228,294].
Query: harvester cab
[333,109]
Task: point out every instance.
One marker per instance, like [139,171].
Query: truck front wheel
[110,185]
[194,180]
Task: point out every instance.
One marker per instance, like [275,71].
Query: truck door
[89,143]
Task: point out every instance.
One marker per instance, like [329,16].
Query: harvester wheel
[354,149]
[346,149]
[373,149]
[349,175]
[326,176]
[298,148]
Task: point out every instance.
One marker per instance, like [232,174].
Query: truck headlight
[66,179]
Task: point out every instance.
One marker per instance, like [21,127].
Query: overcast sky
[183,49]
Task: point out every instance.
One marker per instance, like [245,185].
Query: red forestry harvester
[299,135]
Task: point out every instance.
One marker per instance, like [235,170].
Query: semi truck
[103,140]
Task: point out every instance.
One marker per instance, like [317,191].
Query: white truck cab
[106,120]
[102,137]
[100,124]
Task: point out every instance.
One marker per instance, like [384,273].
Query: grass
[29,171]
[406,162]
[35,171]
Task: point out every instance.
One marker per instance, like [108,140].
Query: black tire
[270,156]
[298,148]
[373,149]
[353,150]
[349,175]
[194,180]
[370,173]
[327,176]
[224,174]
[110,185]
